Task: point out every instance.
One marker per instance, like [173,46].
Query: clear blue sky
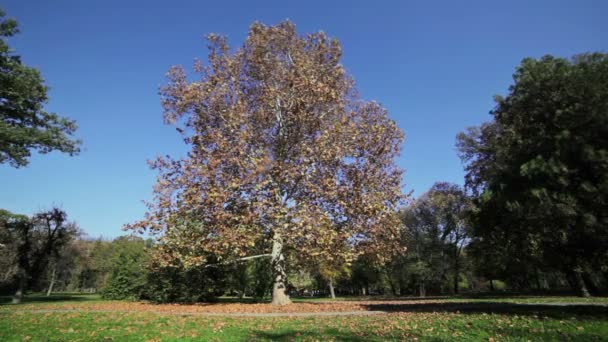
[435,66]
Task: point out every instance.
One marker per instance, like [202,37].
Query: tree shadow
[7,300]
[524,334]
[325,335]
[549,310]
[477,295]
[215,301]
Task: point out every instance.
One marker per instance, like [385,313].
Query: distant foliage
[29,244]
[436,237]
[127,278]
[177,283]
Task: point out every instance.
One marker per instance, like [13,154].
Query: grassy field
[437,319]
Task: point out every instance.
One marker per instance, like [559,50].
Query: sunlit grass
[433,319]
[87,326]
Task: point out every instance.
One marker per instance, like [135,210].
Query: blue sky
[435,66]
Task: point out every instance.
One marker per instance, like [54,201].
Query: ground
[87,318]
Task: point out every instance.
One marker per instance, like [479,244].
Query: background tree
[24,125]
[437,233]
[540,168]
[331,271]
[35,241]
[127,277]
[282,150]
[451,206]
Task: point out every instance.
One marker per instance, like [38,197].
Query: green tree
[127,276]
[34,241]
[539,169]
[24,125]
[437,233]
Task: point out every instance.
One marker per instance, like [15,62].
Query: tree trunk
[391,283]
[279,296]
[331,289]
[23,266]
[580,283]
[18,297]
[571,279]
[492,285]
[590,283]
[52,283]
[456,269]
[422,290]
[537,279]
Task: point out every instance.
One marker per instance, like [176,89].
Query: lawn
[87,318]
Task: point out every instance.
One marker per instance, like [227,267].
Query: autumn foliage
[285,159]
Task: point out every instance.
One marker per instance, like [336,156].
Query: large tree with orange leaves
[285,159]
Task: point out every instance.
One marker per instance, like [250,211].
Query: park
[286,190]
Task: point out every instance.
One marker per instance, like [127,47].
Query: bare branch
[239,259]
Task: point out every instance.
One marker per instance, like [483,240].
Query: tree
[437,233]
[24,125]
[282,151]
[451,206]
[539,169]
[126,278]
[12,251]
[35,240]
[332,270]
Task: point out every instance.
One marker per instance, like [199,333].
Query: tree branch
[239,259]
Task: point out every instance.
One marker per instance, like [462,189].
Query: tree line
[291,186]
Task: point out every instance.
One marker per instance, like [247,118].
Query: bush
[127,275]
[178,284]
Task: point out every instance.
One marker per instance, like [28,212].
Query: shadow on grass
[524,334]
[477,295]
[549,310]
[324,335]
[40,298]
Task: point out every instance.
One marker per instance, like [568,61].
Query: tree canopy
[540,168]
[283,155]
[24,124]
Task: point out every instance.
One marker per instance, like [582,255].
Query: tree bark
[580,282]
[279,295]
[18,297]
[331,289]
[52,283]
[23,265]
[422,290]
[391,283]
[456,268]
[590,283]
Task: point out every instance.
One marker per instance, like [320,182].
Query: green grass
[481,319]
[19,326]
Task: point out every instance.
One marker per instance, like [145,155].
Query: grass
[445,319]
